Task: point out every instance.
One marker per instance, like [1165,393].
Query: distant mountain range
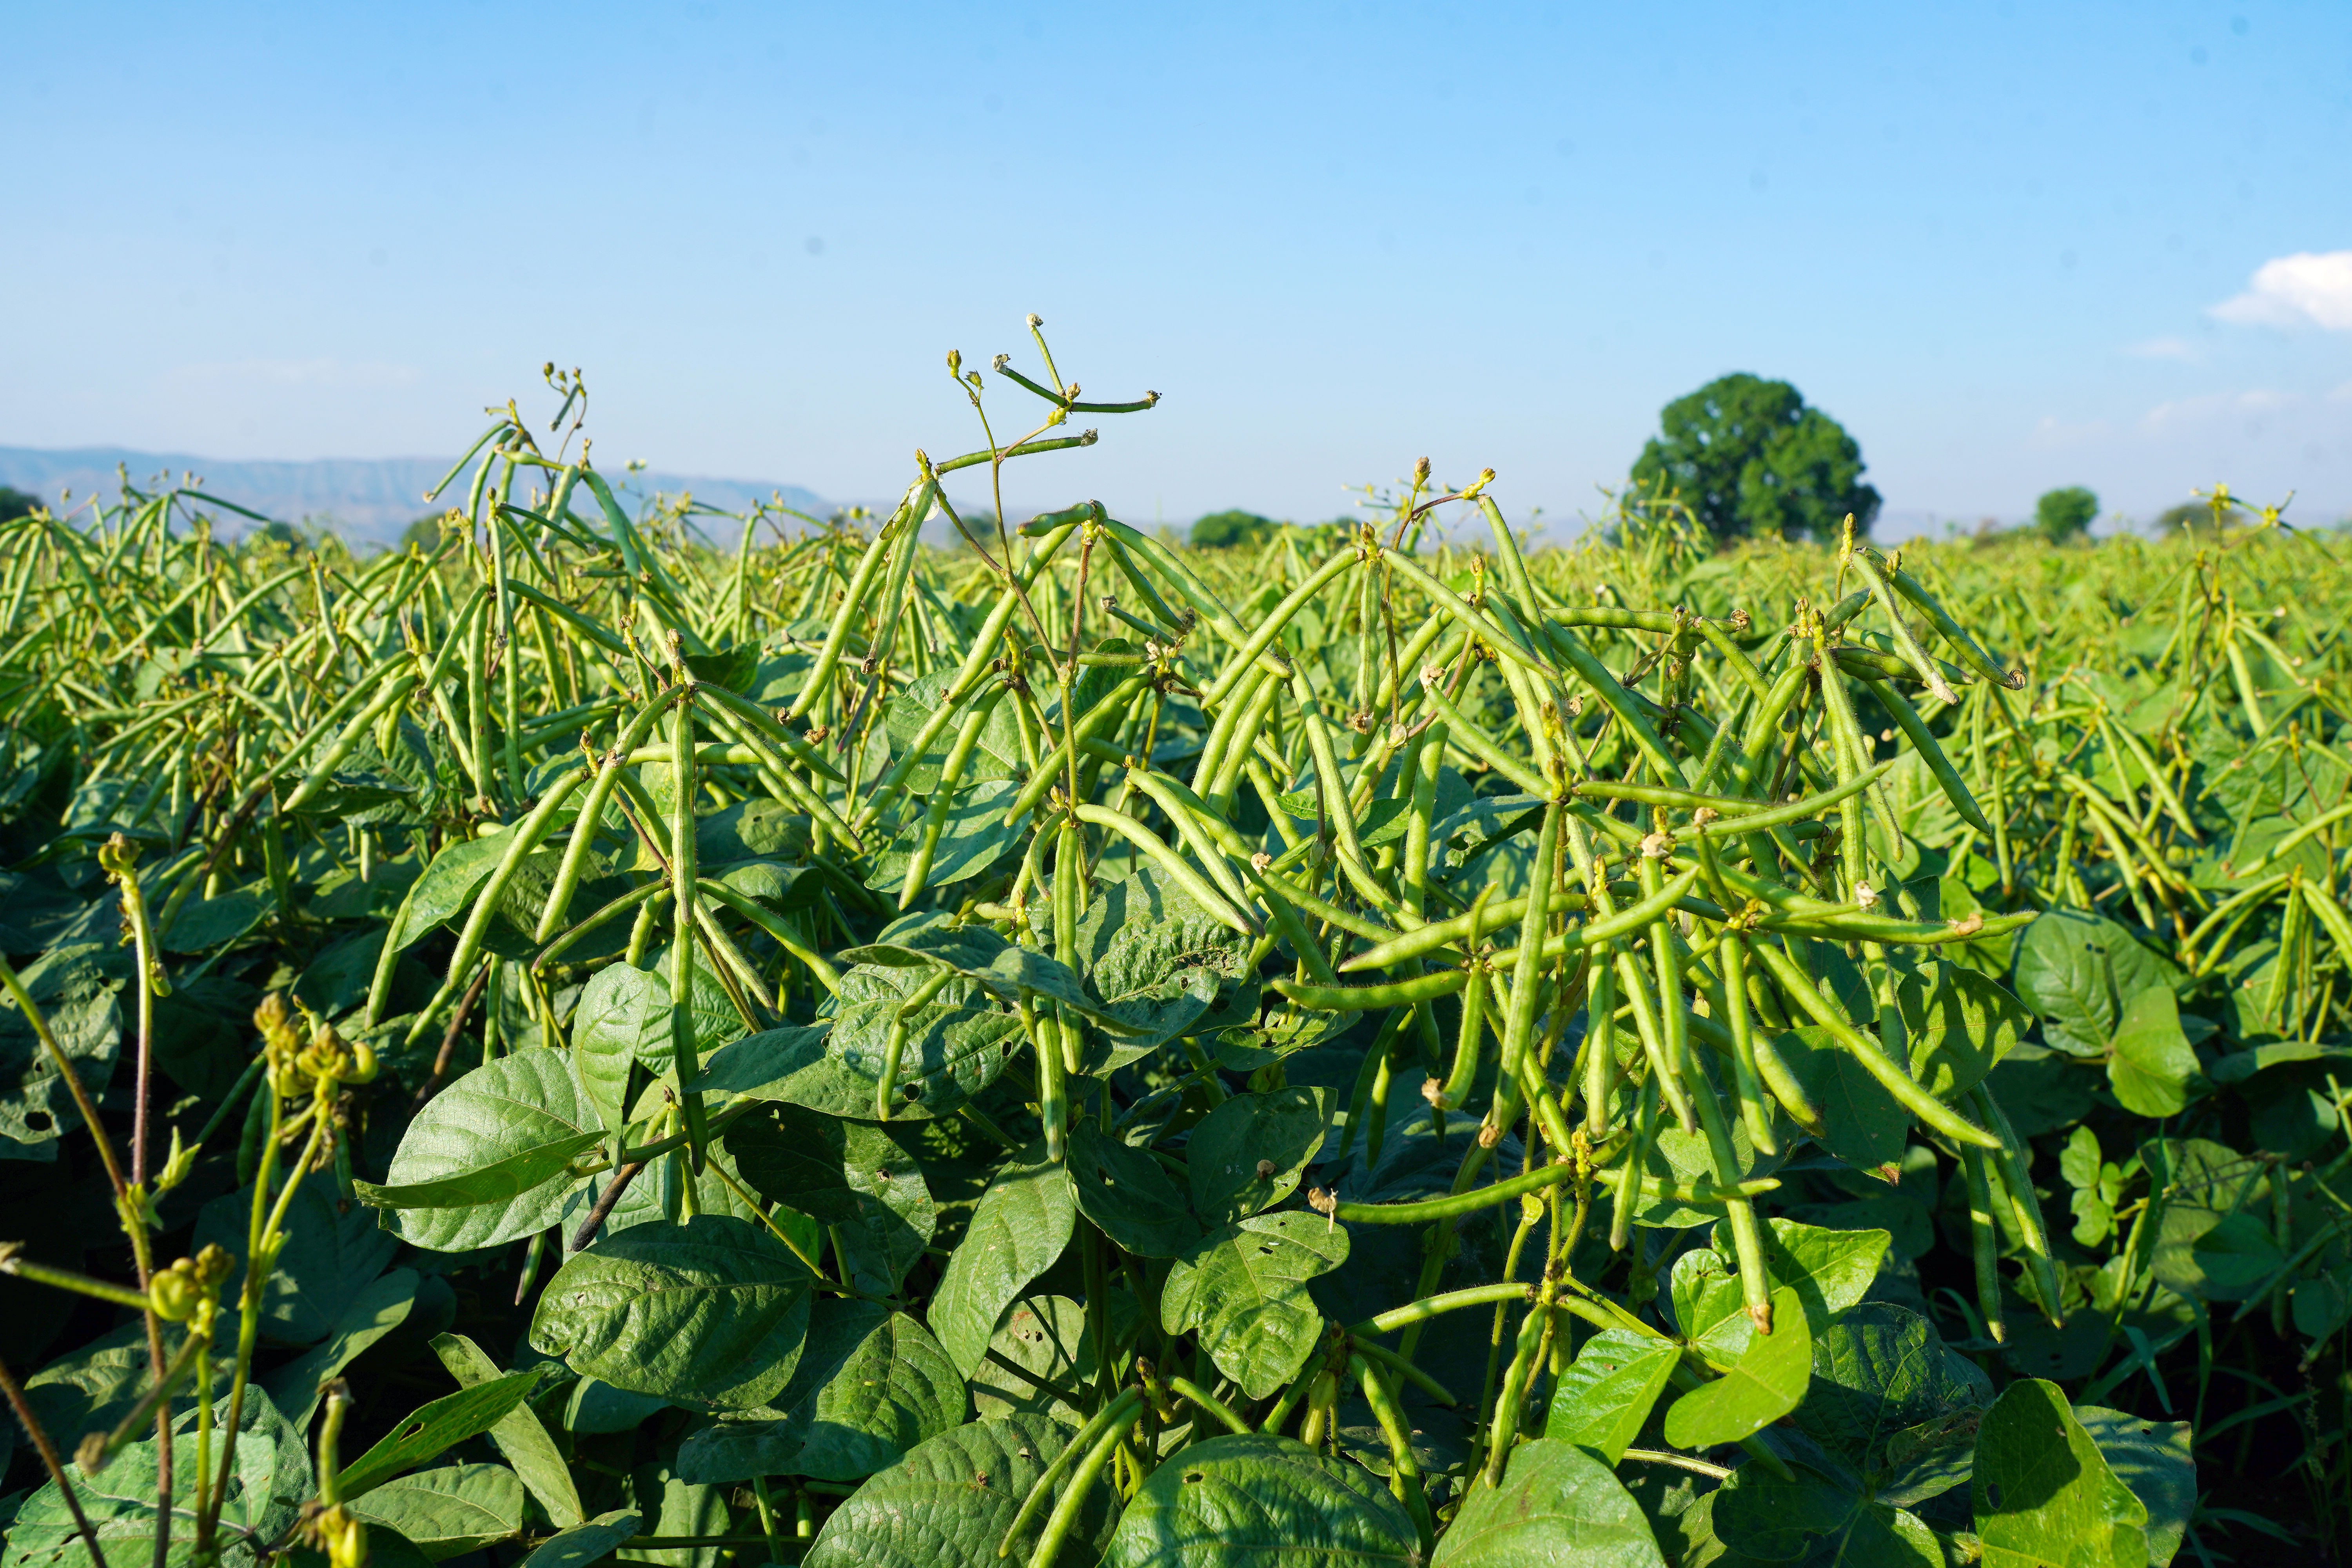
[362,498]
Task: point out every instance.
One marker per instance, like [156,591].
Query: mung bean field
[624,1031]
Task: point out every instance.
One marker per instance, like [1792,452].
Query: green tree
[15,504]
[1748,457]
[424,533]
[1235,527]
[2061,514]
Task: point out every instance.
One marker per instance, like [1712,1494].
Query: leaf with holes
[949,1501]
[709,1313]
[1243,1292]
[1024,1220]
[1557,1504]
[1129,1198]
[1261,1499]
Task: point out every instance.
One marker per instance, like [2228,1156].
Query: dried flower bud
[1657,847]
[1261,862]
[1969,927]
[1704,815]
[1036,321]
[1864,895]
[1266,1170]
[1489,1135]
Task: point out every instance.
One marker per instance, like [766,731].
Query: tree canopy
[2062,514]
[1232,527]
[1749,457]
[16,503]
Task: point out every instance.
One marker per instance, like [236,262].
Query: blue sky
[2009,246]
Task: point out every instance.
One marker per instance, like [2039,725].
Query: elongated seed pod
[886,1086]
[935,819]
[1932,678]
[1745,1073]
[1984,1245]
[1471,1038]
[1128,1405]
[685,884]
[522,838]
[574,863]
[1600,1042]
[1627,1193]
[853,600]
[2025,1212]
[1526,978]
[1923,740]
[1798,986]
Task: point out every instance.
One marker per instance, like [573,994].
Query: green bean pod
[1984,1244]
[1929,676]
[1471,1038]
[1505,1429]
[853,600]
[1627,1195]
[886,1087]
[1125,1408]
[1898,1082]
[1174,866]
[684,876]
[523,838]
[1923,740]
[591,815]
[1404,1469]
[935,819]
[2025,1212]
[1600,1042]
[1962,644]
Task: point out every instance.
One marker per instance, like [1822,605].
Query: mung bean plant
[933,1038]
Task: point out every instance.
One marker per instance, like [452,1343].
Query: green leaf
[2044,1496]
[448,886]
[269,1478]
[844,1173]
[1261,1502]
[623,1019]
[975,837]
[75,988]
[988,961]
[1044,1337]
[93,1388]
[1556,1506]
[1246,1156]
[519,1434]
[435,1428]
[1829,1269]
[1767,1382]
[2156,1459]
[1127,1196]
[585,1542]
[1155,957]
[895,1390]
[496,1145]
[709,1313]
[1604,1395]
[1023,1222]
[2077,970]
[450,1512]
[1880,1374]
[330,1253]
[949,1501]
[1866,1125]
[2152,1062]
[1960,1024]
[871,1386]
[298,1385]
[1764,1517]
[1242,1291]
[956,1046]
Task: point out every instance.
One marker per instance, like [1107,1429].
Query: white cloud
[2052,434]
[2307,288]
[2191,411]
[337,374]
[2166,348]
